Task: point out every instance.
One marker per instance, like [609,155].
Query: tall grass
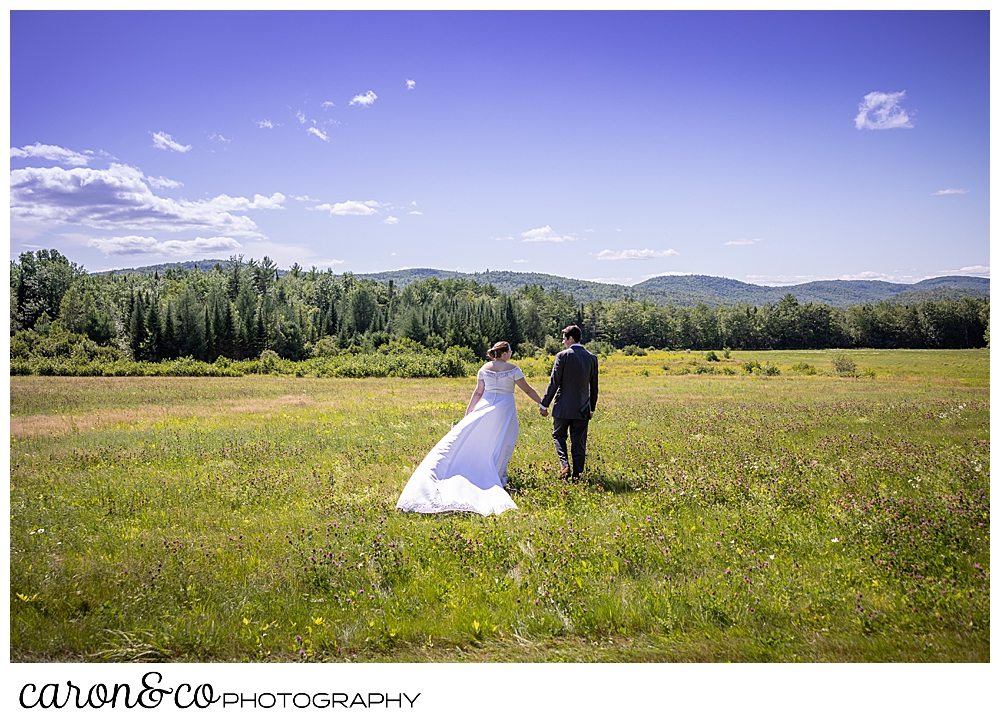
[723,517]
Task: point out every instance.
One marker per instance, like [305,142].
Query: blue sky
[766,147]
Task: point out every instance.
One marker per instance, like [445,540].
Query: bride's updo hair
[498,349]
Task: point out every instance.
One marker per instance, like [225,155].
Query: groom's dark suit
[574,387]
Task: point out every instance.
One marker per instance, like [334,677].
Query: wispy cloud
[977,270]
[220,138]
[347,208]
[520,261]
[881,111]
[742,242]
[318,133]
[149,246]
[415,213]
[301,116]
[120,197]
[327,104]
[545,234]
[391,220]
[305,198]
[634,255]
[165,142]
[779,280]
[949,191]
[161,182]
[51,153]
[265,124]
[364,100]
[410,84]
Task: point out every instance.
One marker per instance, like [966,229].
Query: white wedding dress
[467,470]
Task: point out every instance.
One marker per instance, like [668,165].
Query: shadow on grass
[528,480]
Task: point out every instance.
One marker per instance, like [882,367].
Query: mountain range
[688,290]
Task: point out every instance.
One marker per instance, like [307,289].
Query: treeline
[243,308]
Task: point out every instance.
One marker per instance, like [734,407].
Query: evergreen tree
[152,348]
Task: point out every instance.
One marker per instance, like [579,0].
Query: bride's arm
[476,396]
[526,388]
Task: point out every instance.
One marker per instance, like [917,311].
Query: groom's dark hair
[574,333]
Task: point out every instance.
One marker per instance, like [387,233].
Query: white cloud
[165,142]
[413,203]
[949,191]
[347,208]
[147,245]
[364,100]
[52,153]
[301,116]
[880,111]
[520,261]
[780,280]
[588,230]
[415,213]
[268,203]
[318,133]
[120,197]
[305,198]
[219,138]
[161,182]
[327,104]
[375,204]
[634,255]
[265,124]
[335,262]
[977,270]
[742,242]
[545,234]
[410,84]
[391,220]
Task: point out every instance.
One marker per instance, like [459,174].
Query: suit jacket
[573,384]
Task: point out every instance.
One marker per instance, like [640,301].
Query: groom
[574,386]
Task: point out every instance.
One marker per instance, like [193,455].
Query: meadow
[782,511]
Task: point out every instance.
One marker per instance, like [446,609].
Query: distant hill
[203,265]
[688,290]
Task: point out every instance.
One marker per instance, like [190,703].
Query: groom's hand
[544,412]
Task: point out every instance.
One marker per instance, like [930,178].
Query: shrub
[601,348]
[844,365]
[728,370]
[327,346]
[702,369]
[633,350]
[552,345]
[770,369]
[803,368]
[749,367]
[726,352]
[711,356]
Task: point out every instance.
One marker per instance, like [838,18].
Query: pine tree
[169,342]
[136,327]
[152,348]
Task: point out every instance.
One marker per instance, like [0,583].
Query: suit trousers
[577,429]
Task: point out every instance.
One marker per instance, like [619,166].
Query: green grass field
[803,516]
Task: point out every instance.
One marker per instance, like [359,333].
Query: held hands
[543,412]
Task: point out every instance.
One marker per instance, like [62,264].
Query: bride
[467,469]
